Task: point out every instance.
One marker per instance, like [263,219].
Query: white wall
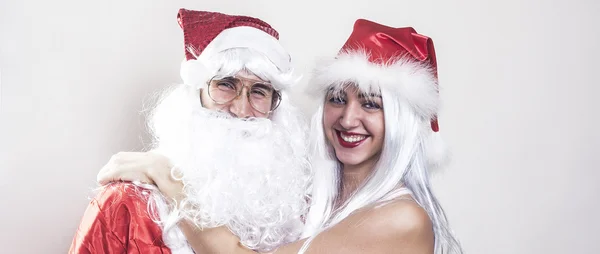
[519,80]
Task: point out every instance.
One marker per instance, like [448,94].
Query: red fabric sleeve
[117,221]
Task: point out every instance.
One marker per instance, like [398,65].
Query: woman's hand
[145,167]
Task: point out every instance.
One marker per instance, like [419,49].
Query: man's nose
[240,106]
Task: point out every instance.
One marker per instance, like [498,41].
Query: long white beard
[249,175]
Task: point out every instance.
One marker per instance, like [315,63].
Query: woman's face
[353,123]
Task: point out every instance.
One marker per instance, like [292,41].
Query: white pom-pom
[195,73]
[438,154]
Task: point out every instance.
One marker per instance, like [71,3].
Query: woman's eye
[336,100]
[371,105]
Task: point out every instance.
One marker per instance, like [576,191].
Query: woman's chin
[349,159]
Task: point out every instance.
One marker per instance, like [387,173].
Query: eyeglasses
[261,95]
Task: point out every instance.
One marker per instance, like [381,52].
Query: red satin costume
[117,221]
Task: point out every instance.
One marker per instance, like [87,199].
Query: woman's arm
[399,227]
[212,240]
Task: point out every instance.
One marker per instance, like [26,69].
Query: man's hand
[145,167]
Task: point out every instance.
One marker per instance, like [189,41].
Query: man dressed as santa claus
[233,141]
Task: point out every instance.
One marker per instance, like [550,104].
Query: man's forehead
[247,75]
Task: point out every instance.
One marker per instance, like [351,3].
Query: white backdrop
[519,90]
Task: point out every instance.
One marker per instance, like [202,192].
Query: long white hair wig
[410,150]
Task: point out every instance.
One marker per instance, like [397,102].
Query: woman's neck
[353,176]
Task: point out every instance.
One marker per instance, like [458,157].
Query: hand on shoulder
[144,167]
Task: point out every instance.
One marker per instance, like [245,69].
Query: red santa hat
[399,60]
[206,34]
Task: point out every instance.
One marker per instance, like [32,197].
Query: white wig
[410,101]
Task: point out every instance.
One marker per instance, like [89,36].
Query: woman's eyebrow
[370,95]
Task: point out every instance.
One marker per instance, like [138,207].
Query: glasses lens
[262,96]
[222,90]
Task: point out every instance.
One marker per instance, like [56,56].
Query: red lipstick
[346,144]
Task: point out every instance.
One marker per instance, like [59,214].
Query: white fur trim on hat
[252,38]
[412,81]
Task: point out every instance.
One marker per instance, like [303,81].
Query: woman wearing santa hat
[375,143]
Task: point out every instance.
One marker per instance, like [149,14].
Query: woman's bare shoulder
[399,216]
[403,221]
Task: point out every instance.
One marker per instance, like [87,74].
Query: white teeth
[352,138]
